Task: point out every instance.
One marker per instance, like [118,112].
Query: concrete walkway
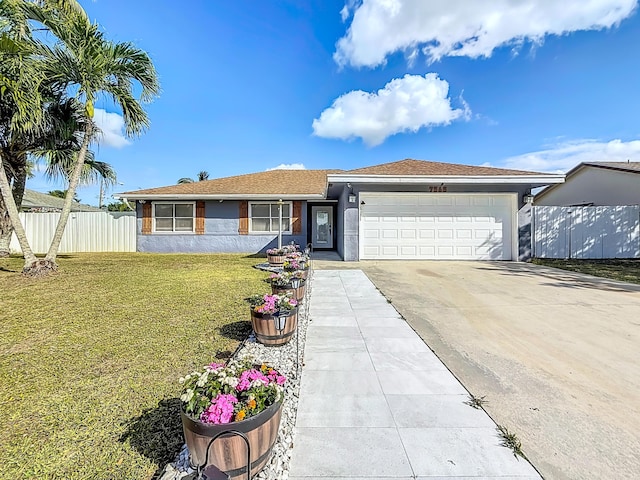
[376,403]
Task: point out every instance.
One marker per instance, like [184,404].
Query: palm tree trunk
[74,179]
[12,210]
[6,227]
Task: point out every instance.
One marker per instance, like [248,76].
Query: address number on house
[438,189]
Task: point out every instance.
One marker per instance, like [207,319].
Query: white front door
[322,226]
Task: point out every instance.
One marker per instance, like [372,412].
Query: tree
[119,206]
[81,61]
[57,144]
[202,176]
[62,194]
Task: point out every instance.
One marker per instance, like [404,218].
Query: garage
[438,226]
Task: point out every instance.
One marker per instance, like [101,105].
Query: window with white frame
[264,217]
[173,217]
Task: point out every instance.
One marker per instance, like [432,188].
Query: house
[595,184]
[33,201]
[410,209]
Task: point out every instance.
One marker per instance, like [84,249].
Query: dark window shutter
[296,219]
[147,221]
[243,217]
[199,217]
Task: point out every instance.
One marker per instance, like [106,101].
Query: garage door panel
[409,251]
[460,226]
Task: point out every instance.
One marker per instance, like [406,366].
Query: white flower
[231,381]
[181,380]
[203,380]
[187,396]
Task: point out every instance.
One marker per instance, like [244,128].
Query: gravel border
[282,359]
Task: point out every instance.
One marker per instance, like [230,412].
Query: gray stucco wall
[221,234]
[352,216]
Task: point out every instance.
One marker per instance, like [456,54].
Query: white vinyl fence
[586,232]
[85,232]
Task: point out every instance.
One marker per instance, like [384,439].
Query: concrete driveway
[555,354]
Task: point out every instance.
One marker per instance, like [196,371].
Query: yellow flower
[263,367]
[251,404]
[240,415]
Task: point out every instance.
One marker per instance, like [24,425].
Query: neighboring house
[410,209]
[597,184]
[33,201]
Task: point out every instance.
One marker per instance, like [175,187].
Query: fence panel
[85,232]
[586,232]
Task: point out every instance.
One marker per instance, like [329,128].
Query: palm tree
[20,110]
[57,144]
[202,176]
[83,61]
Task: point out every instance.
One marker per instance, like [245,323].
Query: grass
[90,358]
[510,440]
[625,270]
[476,402]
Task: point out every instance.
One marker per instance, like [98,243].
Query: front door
[322,226]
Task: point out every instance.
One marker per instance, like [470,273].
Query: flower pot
[297,293]
[273,330]
[229,452]
[276,259]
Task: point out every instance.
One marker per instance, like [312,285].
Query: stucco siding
[597,186]
[221,234]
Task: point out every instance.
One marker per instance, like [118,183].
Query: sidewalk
[376,403]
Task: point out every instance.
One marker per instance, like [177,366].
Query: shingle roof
[633,167]
[272,182]
[36,200]
[423,167]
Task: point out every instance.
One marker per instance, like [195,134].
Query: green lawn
[616,269]
[90,357]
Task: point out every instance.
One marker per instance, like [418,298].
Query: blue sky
[250,85]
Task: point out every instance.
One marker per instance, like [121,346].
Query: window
[263,217]
[173,217]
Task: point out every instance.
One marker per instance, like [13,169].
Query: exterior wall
[597,186]
[351,212]
[221,234]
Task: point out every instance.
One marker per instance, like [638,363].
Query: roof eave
[234,196]
[545,179]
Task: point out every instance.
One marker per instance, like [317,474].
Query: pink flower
[248,377]
[221,409]
[215,366]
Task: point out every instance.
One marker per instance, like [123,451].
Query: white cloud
[112,129]
[289,166]
[404,105]
[472,28]
[563,157]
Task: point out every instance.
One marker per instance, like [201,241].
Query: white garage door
[442,226]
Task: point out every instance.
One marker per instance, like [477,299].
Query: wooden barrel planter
[229,452]
[276,260]
[273,330]
[297,293]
